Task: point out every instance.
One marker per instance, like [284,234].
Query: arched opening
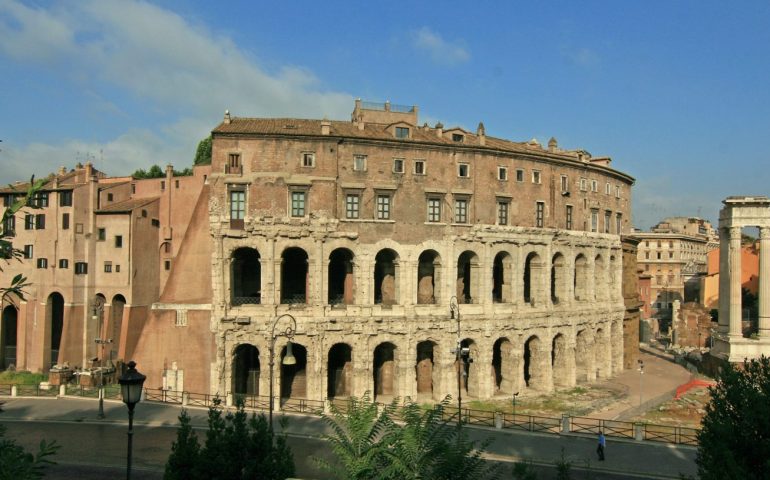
[385,278]
[341,277]
[467,277]
[8,337]
[469,370]
[531,278]
[614,287]
[55,320]
[560,361]
[384,369]
[340,371]
[425,368]
[502,366]
[502,287]
[602,354]
[116,321]
[558,279]
[246,370]
[246,277]
[535,366]
[428,268]
[294,270]
[294,377]
[581,278]
[600,279]
[583,357]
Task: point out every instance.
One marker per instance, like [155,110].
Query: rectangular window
[607,221]
[594,220]
[42,263]
[402,132]
[617,191]
[155,222]
[133,188]
[117,268]
[176,183]
[359,163]
[29,222]
[583,184]
[434,209]
[519,175]
[569,217]
[646,255]
[101,234]
[383,207]
[608,189]
[308,159]
[167,265]
[162,185]
[564,184]
[40,199]
[502,212]
[540,215]
[28,251]
[237,204]
[419,167]
[7,200]
[398,165]
[658,255]
[670,254]
[107,267]
[9,226]
[298,204]
[109,197]
[64,263]
[352,205]
[502,173]
[456,137]
[65,221]
[536,177]
[463,170]
[461,210]
[81,268]
[118,241]
[40,221]
[594,186]
[65,198]
[144,213]
[619,223]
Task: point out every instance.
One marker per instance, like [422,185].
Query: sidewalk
[646,459]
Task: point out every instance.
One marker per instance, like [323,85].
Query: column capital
[764,233]
[735,233]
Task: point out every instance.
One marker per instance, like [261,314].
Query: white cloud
[440,51]
[180,70]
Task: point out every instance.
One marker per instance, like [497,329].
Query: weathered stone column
[735,282]
[764,282]
[724,280]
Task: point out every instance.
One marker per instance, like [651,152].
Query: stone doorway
[246,370]
[384,370]
[340,370]
[425,368]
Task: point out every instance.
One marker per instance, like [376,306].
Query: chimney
[227,117]
[439,129]
[552,144]
[481,133]
[169,171]
[326,126]
[62,170]
[89,169]
[360,122]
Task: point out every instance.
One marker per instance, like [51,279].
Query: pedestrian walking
[600,447]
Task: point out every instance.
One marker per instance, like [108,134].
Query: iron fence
[302,405]
[6,389]
[162,395]
[670,434]
[610,428]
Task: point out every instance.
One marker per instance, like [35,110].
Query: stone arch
[294,276]
[425,369]
[386,266]
[600,278]
[532,279]
[54,316]
[115,323]
[581,278]
[502,276]
[470,380]
[584,356]
[9,337]
[602,354]
[100,302]
[536,364]
[467,285]
[246,370]
[384,370]
[560,361]
[558,279]
[341,277]
[294,377]
[503,367]
[245,276]
[428,277]
[340,371]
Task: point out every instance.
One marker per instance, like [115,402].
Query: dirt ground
[577,401]
[687,411]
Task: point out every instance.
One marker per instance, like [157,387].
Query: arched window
[246,277]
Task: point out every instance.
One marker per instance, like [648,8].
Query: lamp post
[641,375]
[514,406]
[461,356]
[288,359]
[102,342]
[131,384]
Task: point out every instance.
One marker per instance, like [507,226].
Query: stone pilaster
[764,282]
[724,280]
[735,281]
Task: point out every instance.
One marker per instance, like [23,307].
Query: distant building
[749,275]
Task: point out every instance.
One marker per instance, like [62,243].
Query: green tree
[236,447]
[154,172]
[735,439]
[17,464]
[203,152]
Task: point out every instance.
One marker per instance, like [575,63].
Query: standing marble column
[735,282]
[724,280]
[764,281]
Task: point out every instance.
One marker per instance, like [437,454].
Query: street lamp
[641,374]
[102,342]
[131,384]
[288,359]
[461,356]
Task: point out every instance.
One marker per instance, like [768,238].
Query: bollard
[62,390]
[638,432]
[229,400]
[498,420]
[564,423]
[14,391]
[185,398]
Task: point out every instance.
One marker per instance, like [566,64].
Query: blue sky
[675,92]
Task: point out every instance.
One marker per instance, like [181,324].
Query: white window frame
[304,160]
[303,194]
[359,163]
[503,206]
[520,175]
[594,186]
[401,129]
[462,210]
[502,173]
[467,170]
[537,177]
[564,183]
[353,205]
[383,209]
[608,189]
[433,205]
[540,214]
[424,165]
[396,162]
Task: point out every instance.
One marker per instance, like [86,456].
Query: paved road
[87,440]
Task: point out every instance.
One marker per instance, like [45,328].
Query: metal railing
[610,428]
[302,405]
[238,300]
[164,396]
[670,434]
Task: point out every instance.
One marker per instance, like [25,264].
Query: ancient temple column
[724,280]
[764,281]
[735,282]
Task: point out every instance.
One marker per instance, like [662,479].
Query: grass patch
[22,377]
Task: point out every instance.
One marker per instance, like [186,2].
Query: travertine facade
[363,231]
